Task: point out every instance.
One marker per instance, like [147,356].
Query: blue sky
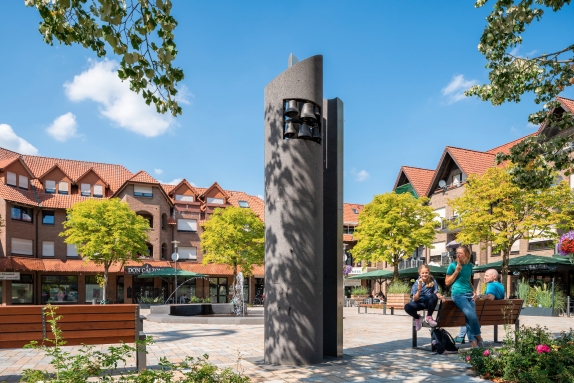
[399,68]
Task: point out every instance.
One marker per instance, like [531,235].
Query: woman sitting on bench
[425,296]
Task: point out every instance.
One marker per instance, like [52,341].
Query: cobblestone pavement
[377,348]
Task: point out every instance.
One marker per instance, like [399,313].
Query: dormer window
[63,187]
[355,211]
[50,186]
[23,182]
[11,178]
[85,190]
[184,198]
[243,204]
[143,191]
[98,191]
[215,200]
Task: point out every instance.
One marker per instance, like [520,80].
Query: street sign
[175,257]
[9,276]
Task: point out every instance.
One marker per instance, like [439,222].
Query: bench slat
[21,319]
[96,318]
[95,325]
[20,327]
[88,334]
[24,336]
[20,310]
[96,309]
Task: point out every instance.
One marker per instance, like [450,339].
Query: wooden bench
[489,313]
[80,324]
[384,306]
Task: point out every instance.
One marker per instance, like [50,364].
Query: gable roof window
[62,187]
[143,191]
[215,200]
[98,191]
[23,182]
[11,178]
[243,204]
[50,186]
[184,198]
[355,211]
[85,190]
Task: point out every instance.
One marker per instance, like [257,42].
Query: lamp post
[175,257]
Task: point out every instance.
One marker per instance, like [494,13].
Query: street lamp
[175,257]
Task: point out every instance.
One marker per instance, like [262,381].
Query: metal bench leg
[358,309]
[415,340]
[495,333]
[516,327]
[385,309]
[141,354]
[392,311]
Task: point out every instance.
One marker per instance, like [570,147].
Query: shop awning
[413,272]
[529,262]
[171,272]
[375,274]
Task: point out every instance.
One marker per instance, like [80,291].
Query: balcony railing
[408,263]
[445,222]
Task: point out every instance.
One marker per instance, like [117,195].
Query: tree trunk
[395,268]
[105,286]
[504,269]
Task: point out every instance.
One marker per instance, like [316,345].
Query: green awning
[375,274]
[529,262]
[170,272]
[406,188]
[413,272]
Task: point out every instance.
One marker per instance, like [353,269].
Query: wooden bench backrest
[80,324]
[504,311]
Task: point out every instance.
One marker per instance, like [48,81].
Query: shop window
[59,288]
[218,290]
[23,182]
[63,187]
[243,204]
[11,178]
[48,217]
[23,290]
[186,225]
[20,213]
[50,186]
[22,246]
[143,191]
[47,249]
[85,190]
[98,191]
[93,289]
[215,200]
[120,290]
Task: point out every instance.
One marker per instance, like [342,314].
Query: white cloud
[100,83]
[183,95]
[260,197]
[173,182]
[9,140]
[454,91]
[158,171]
[530,125]
[361,175]
[63,127]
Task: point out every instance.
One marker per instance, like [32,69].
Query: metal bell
[292,111]
[308,111]
[317,112]
[304,132]
[292,130]
[316,136]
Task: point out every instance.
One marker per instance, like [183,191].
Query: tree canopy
[495,210]
[106,231]
[392,227]
[233,236]
[127,28]
[545,75]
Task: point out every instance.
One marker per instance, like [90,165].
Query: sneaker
[431,321]
[459,339]
[481,344]
[418,324]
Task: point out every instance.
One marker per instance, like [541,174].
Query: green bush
[541,295]
[537,357]
[359,290]
[399,287]
[151,300]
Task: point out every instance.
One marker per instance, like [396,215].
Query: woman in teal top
[458,275]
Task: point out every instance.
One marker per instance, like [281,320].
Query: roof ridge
[565,98]
[67,159]
[470,150]
[416,167]
[510,142]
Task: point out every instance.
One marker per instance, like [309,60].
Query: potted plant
[398,293]
[359,292]
[538,300]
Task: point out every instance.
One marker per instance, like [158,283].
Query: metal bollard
[141,354]
[568,306]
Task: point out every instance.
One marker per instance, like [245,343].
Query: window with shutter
[85,190]
[187,253]
[143,191]
[98,191]
[50,186]
[71,251]
[22,246]
[184,198]
[62,187]
[11,178]
[47,249]
[215,200]
[186,224]
[23,182]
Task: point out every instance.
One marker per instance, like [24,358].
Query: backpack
[442,341]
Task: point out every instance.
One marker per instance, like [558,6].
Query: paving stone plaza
[377,348]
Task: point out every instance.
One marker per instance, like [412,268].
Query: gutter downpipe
[36,279]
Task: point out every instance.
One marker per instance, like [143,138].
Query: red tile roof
[348,238]
[256,204]
[18,195]
[349,216]
[567,103]
[506,147]
[419,178]
[144,177]
[471,161]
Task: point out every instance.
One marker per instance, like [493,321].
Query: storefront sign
[143,269]
[351,282]
[356,270]
[9,276]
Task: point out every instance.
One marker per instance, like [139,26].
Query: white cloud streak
[126,109]
[9,140]
[63,127]
[454,91]
[361,175]
[158,171]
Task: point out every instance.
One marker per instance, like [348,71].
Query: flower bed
[537,357]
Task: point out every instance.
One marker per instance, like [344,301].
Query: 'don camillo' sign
[143,269]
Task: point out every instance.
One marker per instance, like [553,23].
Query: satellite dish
[441,183]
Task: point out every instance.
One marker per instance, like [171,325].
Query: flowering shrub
[566,244]
[537,357]
[347,269]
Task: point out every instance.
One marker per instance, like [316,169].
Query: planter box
[359,296]
[539,311]
[398,299]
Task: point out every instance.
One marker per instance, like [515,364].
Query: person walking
[459,276]
[425,296]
